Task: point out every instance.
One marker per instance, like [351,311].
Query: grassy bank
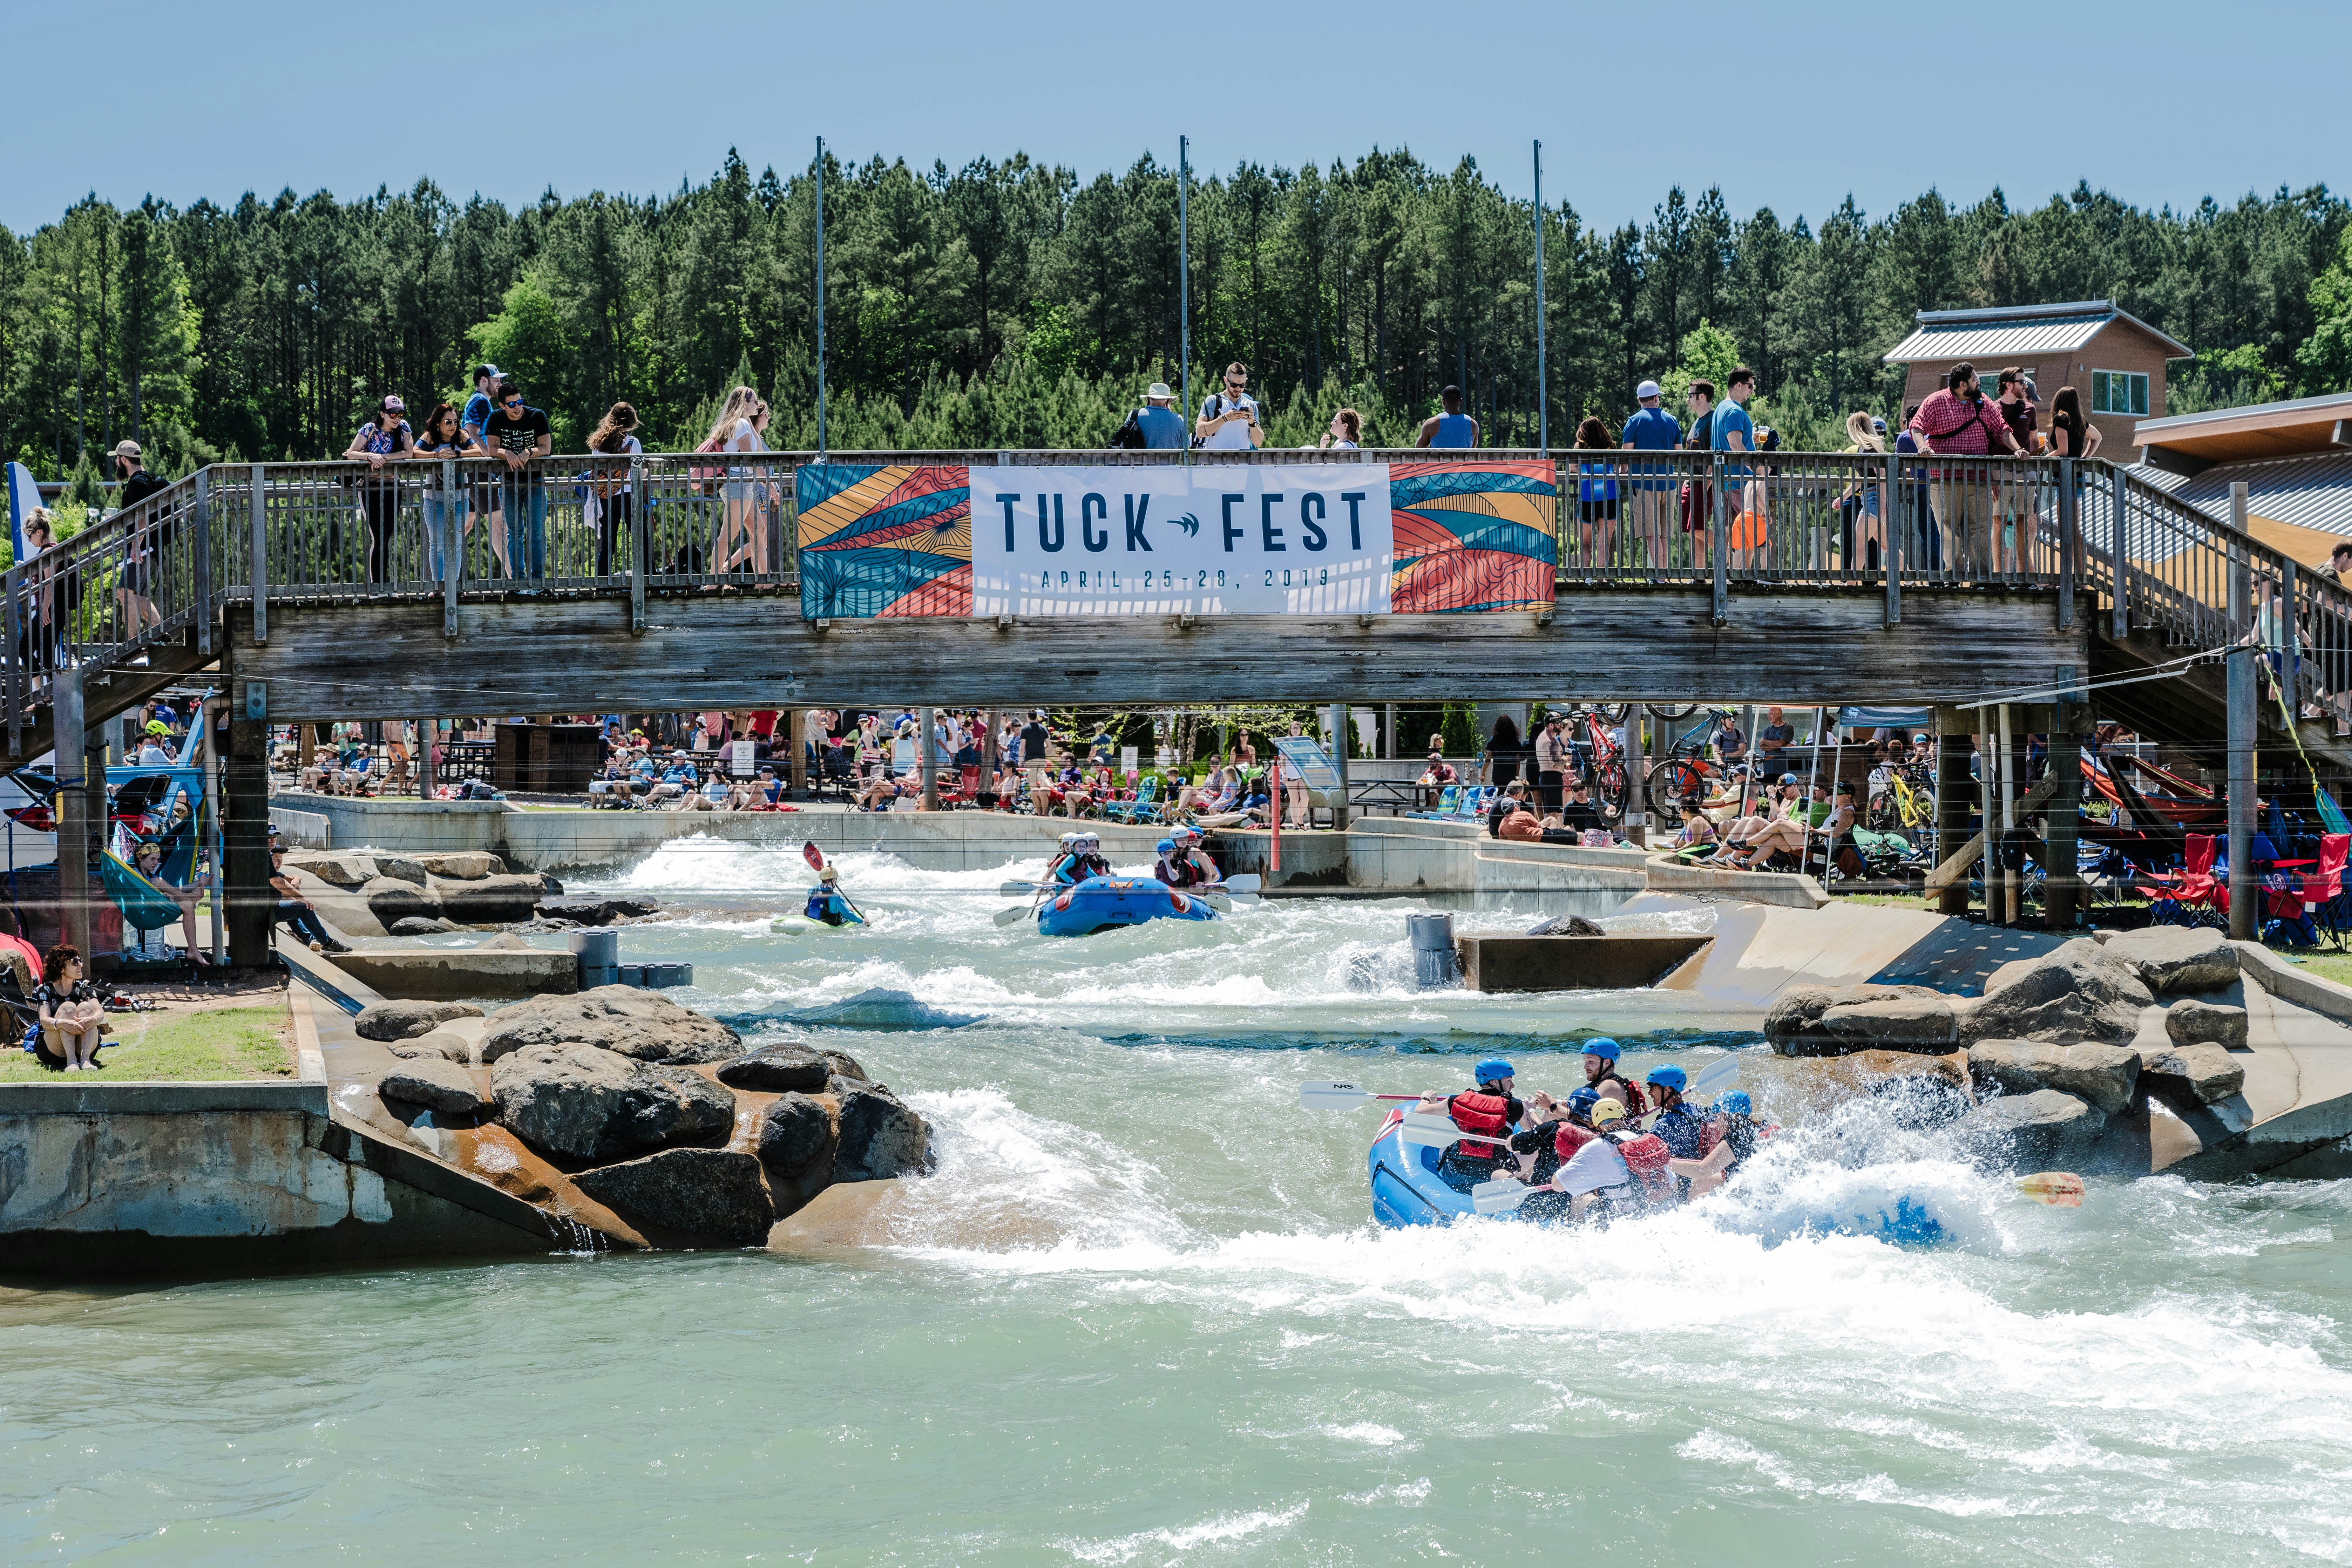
[223,1044]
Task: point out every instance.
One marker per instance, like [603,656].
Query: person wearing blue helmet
[1488,1114]
[1683,1129]
[1601,1075]
[1177,868]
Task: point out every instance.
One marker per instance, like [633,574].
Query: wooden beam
[1958,865]
[359,661]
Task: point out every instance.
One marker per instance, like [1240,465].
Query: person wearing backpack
[1229,418]
[1156,427]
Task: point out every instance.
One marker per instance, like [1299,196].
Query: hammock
[143,903]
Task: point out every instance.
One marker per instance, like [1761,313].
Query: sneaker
[318,947]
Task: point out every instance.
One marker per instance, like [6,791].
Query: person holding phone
[1229,417]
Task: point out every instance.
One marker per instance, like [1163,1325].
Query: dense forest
[1019,304]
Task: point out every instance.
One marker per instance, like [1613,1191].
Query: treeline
[1017,304]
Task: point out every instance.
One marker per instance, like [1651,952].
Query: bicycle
[1672,712]
[1907,803]
[1603,765]
[1685,770]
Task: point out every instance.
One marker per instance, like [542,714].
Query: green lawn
[195,1047]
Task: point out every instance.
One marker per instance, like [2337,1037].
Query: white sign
[741,762]
[1302,539]
[1126,759]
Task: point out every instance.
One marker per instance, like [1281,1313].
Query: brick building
[2112,357]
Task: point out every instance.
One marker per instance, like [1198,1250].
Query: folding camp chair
[2191,896]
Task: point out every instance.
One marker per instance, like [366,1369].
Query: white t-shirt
[1596,1165]
[151,755]
[1233,437]
[745,439]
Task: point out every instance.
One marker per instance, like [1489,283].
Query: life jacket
[1636,1104]
[1486,1115]
[1095,866]
[1179,873]
[1069,870]
[1568,1137]
[1646,1155]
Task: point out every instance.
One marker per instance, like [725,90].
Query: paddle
[1501,1195]
[1342,1096]
[1714,1076]
[1013,915]
[2060,1189]
[1430,1129]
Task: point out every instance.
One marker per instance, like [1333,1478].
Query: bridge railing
[685,522]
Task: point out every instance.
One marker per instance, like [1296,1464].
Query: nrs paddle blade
[2060,1189]
[1433,1130]
[813,855]
[1246,883]
[1333,1096]
[1499,1197]
[1013,916]
[1713,1077]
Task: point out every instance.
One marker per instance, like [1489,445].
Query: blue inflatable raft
[1100,902]
[1408,1190]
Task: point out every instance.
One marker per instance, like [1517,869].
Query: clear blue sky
[1789,105]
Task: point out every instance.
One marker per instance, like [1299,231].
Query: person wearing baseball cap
[1649,504]
[132,589]
[1162,426]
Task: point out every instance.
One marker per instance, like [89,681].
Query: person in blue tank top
[1451,428]
[1162,426]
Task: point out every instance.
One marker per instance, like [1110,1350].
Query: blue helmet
[1601,1046]
[1166,846]
[1737,1103]
[1581,1102]
[1492,1069]
[1672,1078]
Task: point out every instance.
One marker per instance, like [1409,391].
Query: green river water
[1142,1318]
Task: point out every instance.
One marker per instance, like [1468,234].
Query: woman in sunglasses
[442,435]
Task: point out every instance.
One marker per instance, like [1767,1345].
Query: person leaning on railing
[515,435]
[443,434]
[385,439]
[1958,421]
[1650,503]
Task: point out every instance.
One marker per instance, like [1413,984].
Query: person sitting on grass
[73,1019]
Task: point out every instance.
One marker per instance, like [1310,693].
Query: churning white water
[1140,1316]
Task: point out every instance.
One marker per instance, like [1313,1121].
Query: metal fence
[687,523]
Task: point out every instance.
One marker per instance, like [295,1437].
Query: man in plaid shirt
[1959,422]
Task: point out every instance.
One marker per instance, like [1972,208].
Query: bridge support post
[2062,819]
[1954,792]
[1337,716]
[988,758]
[427,781]
[1637,775]
[796,735]
[2244,916]
[73,812]
[245,831]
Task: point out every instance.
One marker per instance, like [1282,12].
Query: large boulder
[2102,1074]
[406,1020]
[880,1138]
[585,1103]
[1898,1023]
[793,1131]
[392,902]
[1915,1088]
[2078,991]
[399,867]
[1901,1016]
[600,913]
[422,925]
[779,1069]
[2191,1023]
[437,1084]
[468,865]
[2204,1072]
[2045,1130]
[492,900]
[2177,960]
[349,872]
[708,1195]
[627,1019]
[440,1043]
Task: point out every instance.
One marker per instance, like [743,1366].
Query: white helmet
[1089,841]
[1069,839]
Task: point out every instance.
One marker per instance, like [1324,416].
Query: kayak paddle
[1500,1195]
[1714,1076]
[2060,1189]
[1433,1130]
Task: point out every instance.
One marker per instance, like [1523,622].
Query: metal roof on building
[2313,491]
[2016,331]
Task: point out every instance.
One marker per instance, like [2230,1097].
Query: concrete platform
[1623,962]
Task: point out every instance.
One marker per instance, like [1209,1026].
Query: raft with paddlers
[1099,903]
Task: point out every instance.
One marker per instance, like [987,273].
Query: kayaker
[1175,867]
[1602,1076]
[825,902]
[1490,1111]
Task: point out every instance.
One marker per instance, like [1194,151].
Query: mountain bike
[1686,769]
[1672,712]
[1906,805]
[1605,778]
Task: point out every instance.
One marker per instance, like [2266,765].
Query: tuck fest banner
[1296,539]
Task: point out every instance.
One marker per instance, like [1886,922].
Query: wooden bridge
[329,591]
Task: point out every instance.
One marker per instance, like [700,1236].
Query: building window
[2118,392]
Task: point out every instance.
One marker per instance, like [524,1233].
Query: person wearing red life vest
[1487,1114]
[1620,1168]
[1601,1075]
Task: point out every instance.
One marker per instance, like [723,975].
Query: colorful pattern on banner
[891,540]
[1297,539]
[1473,536]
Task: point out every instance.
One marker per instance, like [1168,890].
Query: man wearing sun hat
[1162,426]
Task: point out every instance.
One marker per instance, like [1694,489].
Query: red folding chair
[2322,893]
[2187,896]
